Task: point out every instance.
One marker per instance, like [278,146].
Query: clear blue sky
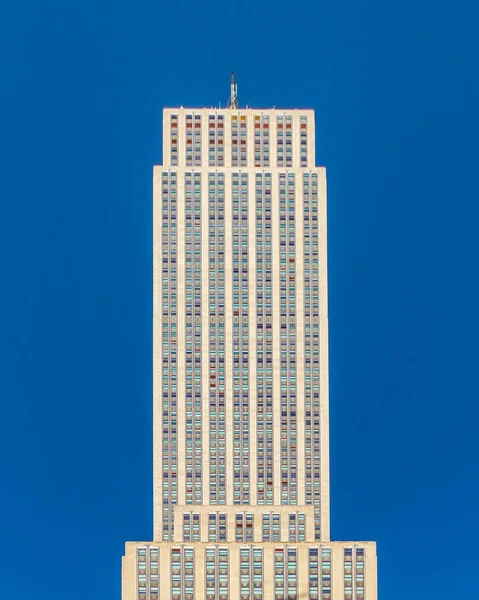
[396,94]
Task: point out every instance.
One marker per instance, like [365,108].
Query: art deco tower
[240,332]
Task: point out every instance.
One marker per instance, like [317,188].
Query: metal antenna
[233,101]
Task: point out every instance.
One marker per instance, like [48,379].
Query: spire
[233,101]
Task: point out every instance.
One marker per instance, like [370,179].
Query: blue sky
[396,94]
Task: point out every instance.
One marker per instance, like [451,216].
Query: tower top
[233,101]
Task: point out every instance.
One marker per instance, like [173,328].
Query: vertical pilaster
[268,572]
[128,574]
[164,563]
[337,570]
[371,573]
[302,567]
[234,572]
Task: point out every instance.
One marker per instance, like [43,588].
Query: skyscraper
[241,432]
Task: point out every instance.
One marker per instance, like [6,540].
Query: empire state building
[240,368]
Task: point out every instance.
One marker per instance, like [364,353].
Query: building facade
[241,432]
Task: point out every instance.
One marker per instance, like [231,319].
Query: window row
[215,132]
[244,527]
[219,573]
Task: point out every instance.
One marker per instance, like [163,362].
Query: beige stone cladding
[240,369]
[333,570]
[304,445]
[274,144]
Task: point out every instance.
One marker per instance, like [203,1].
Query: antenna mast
[233,101]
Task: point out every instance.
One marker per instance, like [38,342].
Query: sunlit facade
[241,432]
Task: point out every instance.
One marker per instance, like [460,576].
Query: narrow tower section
[241,406]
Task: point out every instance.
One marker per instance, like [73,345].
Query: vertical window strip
[191,527]
[283,339]
[271,527]
[325,573]
[304,141]
[212,527]
[217,527]
[239,527]
[169,351]
[216,225]
[291,577]
[196,533]
[197,141]
[141,569]
[261,140]
[182,573]
[193,387]
[288,141]
[297,527]
[217,573]
[235,141]
[210,573]
[280,131]
[315,351]
[193,140]
[348,573]
[243,142]
[308,431]
[244,527]
[189,140]
[189,345]
[257,579]
[220,141]
[292,389]
[276,530]
[265,140]
[147,573]
[266,527]
[223,579]
[189,573]
[279,574]
[222,527]
[174,140]
[264,362]
[251,573]
[187,527]
[216,140]
[240,340]
[301,527]
[257,141]
[292,528]
[154,573]
[249,527]
[212,140]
